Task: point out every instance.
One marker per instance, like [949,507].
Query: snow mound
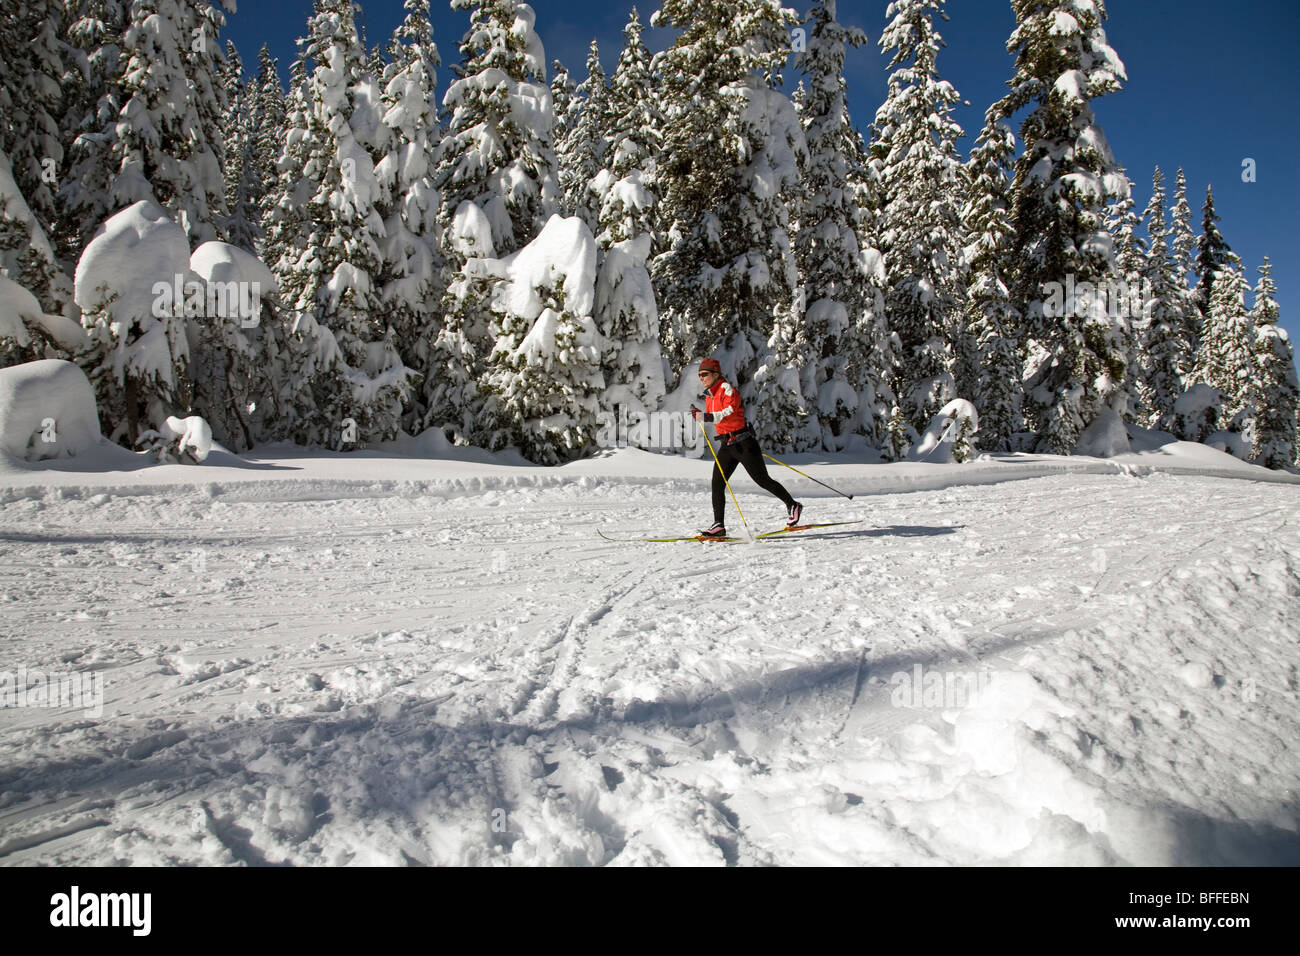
[1236,444]
[131,252]
[47,410]
[942,440]
[1106,437]
[180,440]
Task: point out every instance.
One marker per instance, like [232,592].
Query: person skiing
[737,445]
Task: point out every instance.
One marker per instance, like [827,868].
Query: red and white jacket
[722,408]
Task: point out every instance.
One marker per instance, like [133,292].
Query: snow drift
[47,410]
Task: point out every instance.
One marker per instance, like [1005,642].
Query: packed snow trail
[377,678]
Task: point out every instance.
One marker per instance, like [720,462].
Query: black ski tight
[743,452]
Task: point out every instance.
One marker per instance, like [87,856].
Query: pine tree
[91,100]
[543,378]
[498,182]
[413,280]
[137,356]
[498,150]
[1227,359]
[144,140]
[1212,255]
[1168,356]
[626,312]
[628,194]
[349,378]
[260,143]
[581,152]
[872,353]
[1276,441]
[838,324]
[30,101]
[733,145]
[235,122]
[991,318]
[1064,178]
[562,92]
[26,258]
[915,142]
[1182,245]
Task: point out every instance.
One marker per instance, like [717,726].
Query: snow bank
[1106,437]
[47,410]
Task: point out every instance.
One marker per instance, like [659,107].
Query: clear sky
[1211,83]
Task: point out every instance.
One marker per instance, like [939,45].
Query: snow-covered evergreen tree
[562,92]
[839,321]
[1123,223]
[1226,360]
[1276,442]
[733,147]
[498,151]
[1167,354]
[92,51]
[1182,248]
[27,258]
[137,354]
[991,318]
[581,153]
[498,183]
[155,133]
[413,277]
[543,380]
[1063,180]
[229,75]
[915,142]
[349,378]
[1212,255]
[626,312]
[872,355]
[30,102]
[260,143]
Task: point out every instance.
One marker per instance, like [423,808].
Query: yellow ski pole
[748,536]
[809,477]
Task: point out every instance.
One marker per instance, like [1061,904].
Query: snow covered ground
[373,658]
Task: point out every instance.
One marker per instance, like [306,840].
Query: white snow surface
[47,410]
[314,658]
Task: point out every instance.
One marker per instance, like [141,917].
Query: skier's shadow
[892,531]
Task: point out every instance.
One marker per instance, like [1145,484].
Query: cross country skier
[737,445]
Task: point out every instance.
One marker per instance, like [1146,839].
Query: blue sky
[1211,83]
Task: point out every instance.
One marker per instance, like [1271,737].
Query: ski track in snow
[387,678]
